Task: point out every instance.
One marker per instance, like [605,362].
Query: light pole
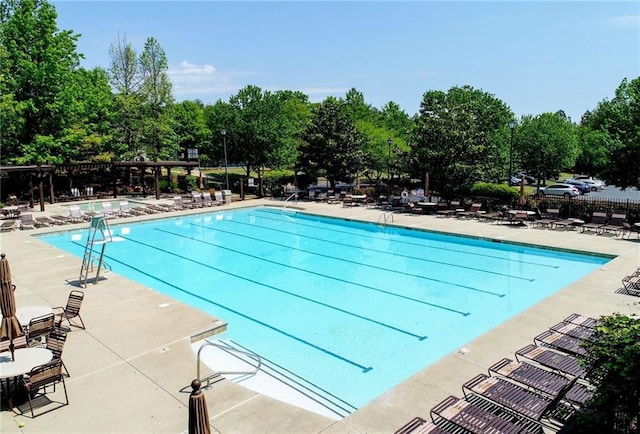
[389,143]
[512,126]
[226,164]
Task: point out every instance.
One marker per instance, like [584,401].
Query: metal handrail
[384,216]
[293,196]
[253,356]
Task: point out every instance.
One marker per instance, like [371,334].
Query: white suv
[564,190]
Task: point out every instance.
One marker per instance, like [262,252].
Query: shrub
[495,191]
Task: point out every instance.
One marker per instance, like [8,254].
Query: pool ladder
[385,218]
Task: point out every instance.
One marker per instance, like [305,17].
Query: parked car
[560,189]
[581,186]
[595,184]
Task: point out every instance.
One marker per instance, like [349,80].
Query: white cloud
[626,21]
[203,82]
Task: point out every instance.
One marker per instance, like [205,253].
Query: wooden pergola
[41,172]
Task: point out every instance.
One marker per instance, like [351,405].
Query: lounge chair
[476,418]
[598,219]
[108,211]
[450,210]
[471,212]
[218,198]
[551,219]
[8,226]
[530,405]
[561,342]
[197,199]
[582,320]
[27,221]
[631,284]
[418,425]
[76,215]
[562,363]
[573,330]
[528,375]
[126,210]
[44,221]
[615,224]
[628,228]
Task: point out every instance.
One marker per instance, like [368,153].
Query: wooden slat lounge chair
[8,226]
[562,363]
[561,342]
[598,219]
[573,330]
[632,284]
[530,405]
[582,320]
[471,212]
[473,418]
[530,376]
[450,210]
[615,224]
[418,425]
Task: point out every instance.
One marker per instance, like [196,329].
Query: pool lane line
[404,242]
[390,270]
[304,270]
[328,306]
[364,369]
[415,258]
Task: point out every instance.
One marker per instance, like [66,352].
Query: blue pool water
[355,308]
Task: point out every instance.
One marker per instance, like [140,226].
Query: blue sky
[535,56]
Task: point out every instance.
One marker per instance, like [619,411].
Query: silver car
[595,184]
[564,190]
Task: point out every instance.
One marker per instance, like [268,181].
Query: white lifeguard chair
[99,235]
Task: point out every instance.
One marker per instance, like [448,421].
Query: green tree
[156,93]
[255,129]
[545,144]
[126,79]
[191,127]
[331,143]
[620,120]
[37,65]
[459,138]
[613,362]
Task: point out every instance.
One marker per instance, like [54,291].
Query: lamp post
[226,164]
[389,143]
[512,126]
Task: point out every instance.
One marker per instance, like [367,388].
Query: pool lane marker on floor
[372,235]
[390,270]
[371,288]
[328,306]
[363,368]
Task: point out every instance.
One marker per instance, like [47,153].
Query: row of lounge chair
[76,214]
[538,391]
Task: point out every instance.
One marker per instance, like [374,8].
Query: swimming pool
[353,308]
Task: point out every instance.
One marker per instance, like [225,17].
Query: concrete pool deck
[130,369]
